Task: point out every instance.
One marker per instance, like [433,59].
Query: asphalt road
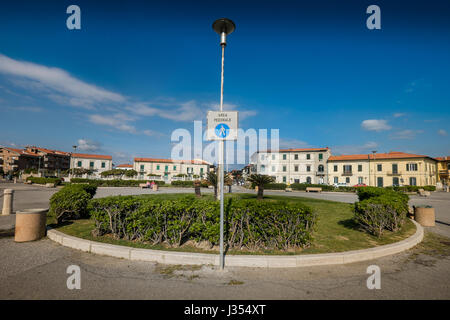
[37,270]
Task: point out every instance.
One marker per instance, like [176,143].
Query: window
[273,157]
[380,182]
[308,156]
[103,165]
[379,167]
[359,167]
[201,170]
[284,156]
[395,182]
[320,156]
[296,157]
[308,180]
[411,167]
[273,168]
[262,157]
[412,181]
[335,168]
[284,179]
[166,168]
[336,179]
[360,180]
[347,180]
[347,168]
[175,168]
[142,167]
[91,164]
[308,168]
[263,168]
[284,168]
[320,169]
[157,167]
[394,168]
[296,168]
[79,163]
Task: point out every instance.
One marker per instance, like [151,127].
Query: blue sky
[138,70]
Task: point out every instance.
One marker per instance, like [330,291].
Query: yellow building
[382,169]
[443,169]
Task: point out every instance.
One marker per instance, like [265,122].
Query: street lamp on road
[223,27]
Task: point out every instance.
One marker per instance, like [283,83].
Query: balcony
[443,173]
[393,173]
[347,174]
[320,173]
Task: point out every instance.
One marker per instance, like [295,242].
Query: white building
[95,162]
[168,169]
[306,165]
[125,167]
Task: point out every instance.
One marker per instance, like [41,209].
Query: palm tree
[213,180]
[260,180]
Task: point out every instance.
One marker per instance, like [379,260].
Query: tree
[260,180]
[131,173]
[213,180]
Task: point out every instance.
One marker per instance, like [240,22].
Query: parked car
[360,185]
[340,184]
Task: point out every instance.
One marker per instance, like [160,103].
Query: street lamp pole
[223,27]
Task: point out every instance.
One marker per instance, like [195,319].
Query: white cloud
[442,132]
[399,114]
[88,145]
[118,121]
[405,134]
[375,125]
[58,80]
[293,143]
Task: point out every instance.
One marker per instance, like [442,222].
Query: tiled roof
[91,156]
[124,166]
[169,161]
[298,150]
[447,158]
[21,151]
[377,156]
[49,151]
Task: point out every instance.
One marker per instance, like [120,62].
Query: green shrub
[303,186]
[71,202]
[182,183]
[380,209]
[250,223]
[39,180]
[275,186]
[114,183]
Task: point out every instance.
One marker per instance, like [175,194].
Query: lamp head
[223,27]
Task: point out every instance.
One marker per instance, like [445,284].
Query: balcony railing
[347,173]
[444,172]
[393,173]
[320,173]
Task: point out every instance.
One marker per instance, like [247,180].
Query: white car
[340,184]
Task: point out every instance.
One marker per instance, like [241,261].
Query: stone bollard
[8,196]
[425,216]
[30,224]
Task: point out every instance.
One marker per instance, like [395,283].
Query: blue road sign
[222,130]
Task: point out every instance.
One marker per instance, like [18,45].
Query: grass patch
[335,231]
[169,270]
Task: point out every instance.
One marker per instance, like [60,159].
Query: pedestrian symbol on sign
[222,130]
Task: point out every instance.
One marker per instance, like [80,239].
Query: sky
[138,70]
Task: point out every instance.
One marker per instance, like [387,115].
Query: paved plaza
[37,270]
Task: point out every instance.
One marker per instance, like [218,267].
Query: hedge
[412,188]
[42,180]
[250,224]
[113,183]
[71,202]
[275,186]
[303,186]
[380,209]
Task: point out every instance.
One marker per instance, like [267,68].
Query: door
[380,182]
[395,182]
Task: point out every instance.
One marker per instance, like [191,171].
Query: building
[443,169]
[382,169]
[13,160]
[167,169]
[95,162]
[52,161]
[125,167]
[305,165]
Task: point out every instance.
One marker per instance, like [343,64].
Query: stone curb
[171,257]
